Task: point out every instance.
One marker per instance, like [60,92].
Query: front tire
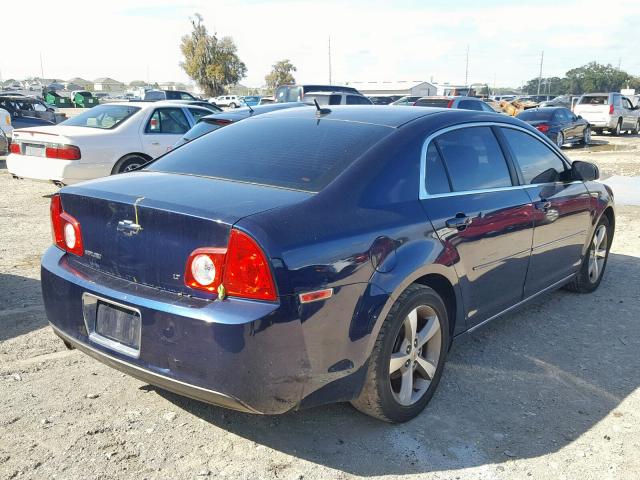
[408,357]
[559,139]
[617,130]
[586,136]
[636,129]
[589,276]
[232,105]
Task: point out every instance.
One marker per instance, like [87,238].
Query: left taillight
[65,229]
[63,152]
[242,269]
[15,148]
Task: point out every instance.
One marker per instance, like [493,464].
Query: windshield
[301,154]
[102,116]
[533,115]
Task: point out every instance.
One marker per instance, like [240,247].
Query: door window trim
[424,195]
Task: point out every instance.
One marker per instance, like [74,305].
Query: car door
[578,125]
[483,219]
[163,129]
[568,126]
[629,113]
[561,209]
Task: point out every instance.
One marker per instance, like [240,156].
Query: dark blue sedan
[560,124]
[305,256]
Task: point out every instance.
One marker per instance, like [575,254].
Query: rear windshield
[595,100]
[433,102]
[301,154]
[102,116]
[532,115]
[200,129]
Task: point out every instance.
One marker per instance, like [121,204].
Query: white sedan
[107,139]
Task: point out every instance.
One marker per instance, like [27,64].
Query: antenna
[320,111]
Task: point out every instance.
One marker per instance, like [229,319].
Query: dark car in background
[461,102]
[384,99]
[156,95]
[405,101]
[30,111]
[296,93]
[213,122]
[559,124]
[305,256]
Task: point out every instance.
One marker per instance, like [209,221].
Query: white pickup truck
[608,111]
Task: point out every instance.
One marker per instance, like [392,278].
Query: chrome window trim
[423,161]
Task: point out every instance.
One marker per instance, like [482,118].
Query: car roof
[372,114]
[160,103]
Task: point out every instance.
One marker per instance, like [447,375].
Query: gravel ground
[550,392]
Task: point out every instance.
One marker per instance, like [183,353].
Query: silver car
[608,111]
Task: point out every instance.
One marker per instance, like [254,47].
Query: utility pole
[41,69]
[466,69]
[540,76]
[329,59]
[619,63]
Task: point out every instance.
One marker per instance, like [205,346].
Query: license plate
[34,150]
[112,325]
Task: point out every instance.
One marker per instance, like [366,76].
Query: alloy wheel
[587,136]
[559,140]
[415,356]
[597,253]
[131,166]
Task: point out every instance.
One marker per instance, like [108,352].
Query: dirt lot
[550,392]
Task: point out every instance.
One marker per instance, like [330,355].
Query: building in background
[415,88]
[107,84]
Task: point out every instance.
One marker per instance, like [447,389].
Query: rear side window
[154,96]
[432,102]
[357,100]
[537,162]
[436,180]
[595,100]
[302,154]
[167,120]
[474,159]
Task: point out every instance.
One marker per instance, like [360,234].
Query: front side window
[537,162]
[469,105]
[167,120]
[474,159]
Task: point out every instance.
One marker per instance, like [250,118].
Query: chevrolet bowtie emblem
[128,227]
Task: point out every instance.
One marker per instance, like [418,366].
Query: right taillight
[242,269]
[63,152]
[450,103]
[15,148]
[611,109]
[65,229]
[543,127]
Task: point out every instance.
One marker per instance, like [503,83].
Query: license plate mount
[112,324]
[34,150]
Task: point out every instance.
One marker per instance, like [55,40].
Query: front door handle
[460,221]
[543,205]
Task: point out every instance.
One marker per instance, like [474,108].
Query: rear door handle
[460,221]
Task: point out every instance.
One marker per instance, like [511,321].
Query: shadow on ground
[21,308]
[527,385]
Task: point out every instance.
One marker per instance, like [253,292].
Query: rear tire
[232,105]
[636,130]
[559,139]
[594,263]
[129,163]
[403,374]
[616,131]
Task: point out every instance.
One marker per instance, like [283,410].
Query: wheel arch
[116,165]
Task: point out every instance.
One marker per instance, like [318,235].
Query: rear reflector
[15,148]
[65,229]
[63,152]
[315,296]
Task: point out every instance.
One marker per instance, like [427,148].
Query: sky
[371,40]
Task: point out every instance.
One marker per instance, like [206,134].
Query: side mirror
[584,171]
[579,117]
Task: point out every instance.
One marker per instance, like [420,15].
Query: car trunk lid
[143,226]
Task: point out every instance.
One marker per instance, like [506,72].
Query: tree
[595,77]
[137,83]
[211,62]
[281,74]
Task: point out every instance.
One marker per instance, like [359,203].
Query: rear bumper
[601,122]
[167,383]
[54,170]
[258,357]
